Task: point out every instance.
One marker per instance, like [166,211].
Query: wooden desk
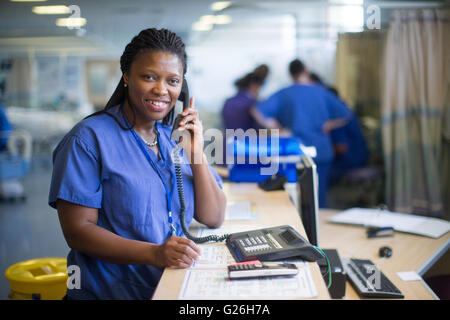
[273,209]
[410,253]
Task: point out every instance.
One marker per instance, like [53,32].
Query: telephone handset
[184,97]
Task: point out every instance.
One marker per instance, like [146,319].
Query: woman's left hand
[193,142]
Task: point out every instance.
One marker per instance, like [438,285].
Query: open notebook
[425,226]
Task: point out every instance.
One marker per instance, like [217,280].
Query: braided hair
[147,40]
[257,76]
[246,81]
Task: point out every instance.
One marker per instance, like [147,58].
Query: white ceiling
[112,23]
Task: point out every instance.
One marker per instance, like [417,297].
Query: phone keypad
[241,267]
[256,243]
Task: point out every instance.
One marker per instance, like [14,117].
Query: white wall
[219,57]
[38,81]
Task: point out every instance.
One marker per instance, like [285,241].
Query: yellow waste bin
[42,279]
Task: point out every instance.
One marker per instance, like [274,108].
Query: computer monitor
[307,197]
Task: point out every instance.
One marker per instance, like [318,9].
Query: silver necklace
[151,144]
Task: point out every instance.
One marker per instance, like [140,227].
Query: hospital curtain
[359,59]
[358,64]
[415,112]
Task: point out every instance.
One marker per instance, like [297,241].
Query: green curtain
[359,57]
[358,60]
[415,112]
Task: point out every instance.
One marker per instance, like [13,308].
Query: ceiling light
[215,19]
[71,23]
[347,18]
[201,26]
[220,5]
[51,10]
[222,19]
[209,18]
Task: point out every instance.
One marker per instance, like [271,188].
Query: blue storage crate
[12,166]
[286,156]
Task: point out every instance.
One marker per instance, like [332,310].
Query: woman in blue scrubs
[113,179]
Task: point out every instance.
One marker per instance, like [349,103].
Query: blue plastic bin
[287,155]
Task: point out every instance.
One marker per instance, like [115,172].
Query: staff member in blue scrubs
[310,112]
[237,112]
[113,178]
[5,128]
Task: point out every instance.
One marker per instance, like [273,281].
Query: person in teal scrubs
[113,178]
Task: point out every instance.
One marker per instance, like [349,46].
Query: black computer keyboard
[368,280]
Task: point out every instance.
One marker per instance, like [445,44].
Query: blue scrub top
[236,112]
[100,165]
[5,128]
[304,109]
[357,154]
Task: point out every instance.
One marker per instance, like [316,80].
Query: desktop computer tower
[338,276]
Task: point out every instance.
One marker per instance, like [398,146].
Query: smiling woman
[147,43]
[114,191]
[154,84]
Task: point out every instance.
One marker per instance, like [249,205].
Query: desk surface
[410,252]
[273,209]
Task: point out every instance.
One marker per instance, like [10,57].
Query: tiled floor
[29,229]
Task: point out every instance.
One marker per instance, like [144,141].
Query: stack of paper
[214,284]
[425,226]
[239,210]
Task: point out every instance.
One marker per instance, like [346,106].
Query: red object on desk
[246,262]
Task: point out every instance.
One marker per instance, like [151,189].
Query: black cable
[179,181]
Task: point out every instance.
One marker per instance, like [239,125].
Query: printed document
[239,210]
[214,284]
[214,255]
[425,226]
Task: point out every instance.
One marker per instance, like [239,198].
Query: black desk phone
[271,244]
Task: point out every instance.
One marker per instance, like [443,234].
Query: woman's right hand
[177,252]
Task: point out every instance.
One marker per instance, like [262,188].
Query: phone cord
[179,180]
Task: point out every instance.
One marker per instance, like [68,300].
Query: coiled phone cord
[179,181]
